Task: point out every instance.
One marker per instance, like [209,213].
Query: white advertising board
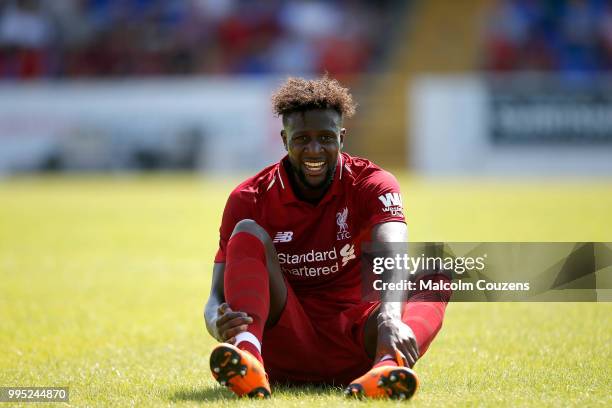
[97,124]
[474,125]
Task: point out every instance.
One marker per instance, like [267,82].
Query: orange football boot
[240,371]
[385,382]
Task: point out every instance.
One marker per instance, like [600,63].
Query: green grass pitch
[103,280]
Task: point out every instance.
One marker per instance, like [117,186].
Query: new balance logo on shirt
[283,236]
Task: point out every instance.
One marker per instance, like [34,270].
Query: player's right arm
[215,300]
[221,321]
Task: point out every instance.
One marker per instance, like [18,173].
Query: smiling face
[313,140]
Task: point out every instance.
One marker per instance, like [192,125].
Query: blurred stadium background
[125,124]
[493,87]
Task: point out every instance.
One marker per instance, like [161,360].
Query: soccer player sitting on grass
[286,288]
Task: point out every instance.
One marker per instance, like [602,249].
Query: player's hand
[396,336]
[229,323]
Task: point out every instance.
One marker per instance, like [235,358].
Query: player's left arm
[393,334]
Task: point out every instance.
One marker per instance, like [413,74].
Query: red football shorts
[317,341]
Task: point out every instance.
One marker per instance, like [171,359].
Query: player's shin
[424,313]
[246,287]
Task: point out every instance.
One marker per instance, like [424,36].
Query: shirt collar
[287,194]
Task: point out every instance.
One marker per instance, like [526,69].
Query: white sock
[250,337]
[386,357]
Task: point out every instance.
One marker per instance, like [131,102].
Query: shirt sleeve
[382,199]
[236,209]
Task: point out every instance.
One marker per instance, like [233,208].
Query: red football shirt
[318,245]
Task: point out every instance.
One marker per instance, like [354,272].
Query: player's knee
[253,228]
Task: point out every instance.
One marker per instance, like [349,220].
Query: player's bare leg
[254,284]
